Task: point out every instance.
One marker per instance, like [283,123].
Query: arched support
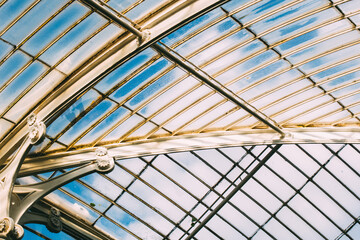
[9,229]
[29,194]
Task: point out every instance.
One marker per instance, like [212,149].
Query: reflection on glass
[85,122]
[71,113]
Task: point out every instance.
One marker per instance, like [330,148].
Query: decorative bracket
[9,229]
[105,163]
[36,129]
[26,195]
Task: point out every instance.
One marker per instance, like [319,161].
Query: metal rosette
[104,163]
[37,129]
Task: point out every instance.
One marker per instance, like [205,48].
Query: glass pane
[73,38]
[54,28]
[33,19]
[85,122]
[71,113]
[20,83]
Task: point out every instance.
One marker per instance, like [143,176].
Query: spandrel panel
[54,28]
[71,113]
[85,122]
[32,20]
[72,38]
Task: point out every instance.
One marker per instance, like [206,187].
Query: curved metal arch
[157,26]
[191,142]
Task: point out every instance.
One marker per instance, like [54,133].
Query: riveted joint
[10,230]
[37,129]
[54,223]
[104,163]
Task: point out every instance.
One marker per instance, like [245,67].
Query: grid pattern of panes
[41,44]
[295,61]
[307,191]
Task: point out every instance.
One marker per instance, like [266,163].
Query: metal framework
[186,105]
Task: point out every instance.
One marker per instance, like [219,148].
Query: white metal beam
[193,142]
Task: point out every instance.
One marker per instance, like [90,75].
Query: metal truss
[157,26]
[17,199]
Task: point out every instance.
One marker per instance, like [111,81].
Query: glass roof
[230,66]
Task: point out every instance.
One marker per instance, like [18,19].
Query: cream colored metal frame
[153,27]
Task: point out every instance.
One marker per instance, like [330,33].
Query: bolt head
[31,119]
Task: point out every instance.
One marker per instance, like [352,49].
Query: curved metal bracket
[29,194]
[9,228]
